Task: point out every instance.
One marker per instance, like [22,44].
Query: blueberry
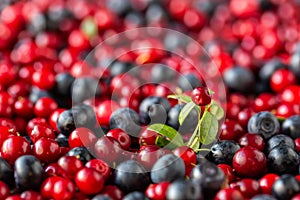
[269,68]
[135,18]
[283,159]
[291,126]
[285,187]
[136,196]
[64,83]
[295,63]
[36,94]
[102,197]
[154,110]
[85,88]
[189,81]
[156,12]
[62,140]
[188,125]
[28,173]
[161,73]
[209,177]
[279,139]
[131,176]
[263,123]
[81,153]
[119,7]
[263,197]
[84,116]
[239,79]
[168,168]
[119,67]
[65,122]
[184,189]
[222,152]
[6,172]
[126,119]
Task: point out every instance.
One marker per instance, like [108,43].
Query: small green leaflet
[209,126]
[181,97]
[161,141]
[164,130]
[216,110]
[187,108]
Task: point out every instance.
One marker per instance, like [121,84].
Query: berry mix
[149,125]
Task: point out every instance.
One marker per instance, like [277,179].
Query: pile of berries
[73,129]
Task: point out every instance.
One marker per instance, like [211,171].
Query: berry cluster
[149,126]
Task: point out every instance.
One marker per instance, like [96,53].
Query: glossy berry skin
[63,83]
[121,136]
[157,191]
[46,150]
[147,137]
[149,154]
[263,123]
[23,107]
[104,111]
[44,107]
[187,155]
[281,79]
[222,152]
[44,79]
[63,189]
[249,162]
[53,117]
[279,139]
[209,177]
[263,197]
[291,94]
[71,165]
[41,131]
[285,187]
[228,172]
[4,190]
[107,149]
[248,187]
[81,153]
[30,195]
[264,102]
[100,166]
[283,159]
[6,172]
[154,109]
[266,182]
[229,194]
[182,189]
[113,191]
[65,122]
[291,126]
[131,176]
[126,119]
[89,181]
[189,81]
[81,137]
[201,96]
[167,168]
[28,172]
[231,130]
[14,147]
[253,140]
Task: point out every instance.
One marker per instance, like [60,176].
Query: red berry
[82,137]
[47,187]
[100,166]
[44,107]
[244,116]
[253,140]
[147,137]
[121,136]
[46,150]
[157,191]
[40,131]
[107,149]
[231,130]
[63,189]
[248,187]
[14,197]
[232,110]
[297,144]
[291,94]
[266,182]
[31,195]
[89,181]
[43,79]
[201,96]
[265,102]
[281,79]
[23,107]
[228,171]
[149,154]
[4,190]
[104,110]
[187,155]
[71,165]
[54,116]
[8,73]
[229,194]
[249,162]
[113,192]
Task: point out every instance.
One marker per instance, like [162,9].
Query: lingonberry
[266,182]
[63,189]
[149,154]
[4,190]
[228,171]
[265,102]
[253,140]
[248,187]
[281,79]
[157,191]
[232,110]
[291,94]
[19,89]
[44,107]
[30,195]
[8,73]
[54,116]
[14,147]
[229,194]
[82,137]
[89,181]
[40,131]
[201,96]
[113,192]
[23,107]
[249,162]
[121,136]
[239,100]
[43,79]
[70,164]
[104,110]
[107,149]
[35,121]
[244,116]
[46,150]
[147,137]
[285,110]
[187,155]
[14,197]
[231,130]
[100,166]
[54,169]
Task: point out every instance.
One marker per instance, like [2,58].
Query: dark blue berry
[269,68]
[64,83]
[285,187]
[102,197]
[65,122]
[62,140]
[189,81]
[279,139]
[263,123]
[295,63]
[154,110]
[28,173]
[119,67]
[168,168]
[6,172]
[184,189]
[84,116]
[283,159]
[131,176]
[85,88]
[126,119]
[136,196]
[263,197]
[82,153]
[161,73]
[222,152]
[291,126]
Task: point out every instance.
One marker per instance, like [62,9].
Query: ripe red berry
[104,110]
[31,195]
[281,79]
[23,107]
[44,107]
[46,150]
[70,164]
[231,130]
[228,171]
[89,181]
[157,191]
[229,194]
[266,182]
[121,136]
[43,79]
[40,131]
[4,190]
[100,166]
[201,96]
[82,137]
[248,187]
[187,155]
[265,102]
[253,140]
[63,189]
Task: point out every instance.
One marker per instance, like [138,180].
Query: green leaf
[216,110]
[181,97]
[89,27]
[208,128]
[161,141]
[170,133]
[187,108]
